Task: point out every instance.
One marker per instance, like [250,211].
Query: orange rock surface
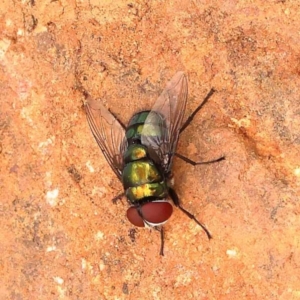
[61,236]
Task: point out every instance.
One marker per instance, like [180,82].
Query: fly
[141,153]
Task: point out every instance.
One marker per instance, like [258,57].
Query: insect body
[143,178]
[141,154]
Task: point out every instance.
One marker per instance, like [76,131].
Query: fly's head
[154,213]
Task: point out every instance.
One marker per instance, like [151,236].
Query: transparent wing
[108,132]
[165,118]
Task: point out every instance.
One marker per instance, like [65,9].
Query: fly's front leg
[162,239]
[176,202]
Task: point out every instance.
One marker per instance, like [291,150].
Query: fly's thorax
[152,128]
[139,118]
[158,190]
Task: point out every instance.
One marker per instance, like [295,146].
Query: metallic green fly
[141,153]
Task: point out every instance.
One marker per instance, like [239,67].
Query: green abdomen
[141,177]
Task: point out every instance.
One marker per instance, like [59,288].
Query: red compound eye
[157,212]
[153,212]
[134,217]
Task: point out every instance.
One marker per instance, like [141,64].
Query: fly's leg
[175,199]
[191,117]
[189,161]
[118,197]
[162,239]
[187,123]
[172,192]
[158,228]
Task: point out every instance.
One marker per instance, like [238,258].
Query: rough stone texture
[61,237]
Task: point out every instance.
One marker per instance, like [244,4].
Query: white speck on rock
[58,280]
[4,45]
[297,172]
[20,32]
[51,197]
[99,236]
[83,263]
[231,253]
[50,248]
[8,22]
[48,142]
[101,266]
[90,167]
